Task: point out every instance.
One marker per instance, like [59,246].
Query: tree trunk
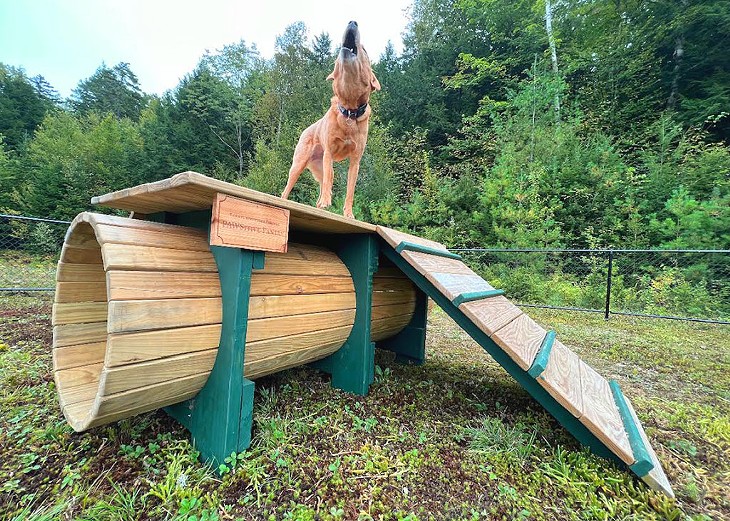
[678,54]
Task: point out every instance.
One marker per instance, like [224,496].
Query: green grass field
[454,439]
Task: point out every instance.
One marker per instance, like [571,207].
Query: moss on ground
[454,439]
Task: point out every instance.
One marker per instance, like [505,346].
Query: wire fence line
[674,284]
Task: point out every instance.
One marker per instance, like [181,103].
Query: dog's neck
[352,113]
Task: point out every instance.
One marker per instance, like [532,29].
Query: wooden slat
[452,285]
[383,328]
[286,305]
[150,345]
[388,271]
[192,191]
[386,298]
[393,310]
[282,264]
[82,375]
[127,377]
[78,313]
[521,340]
[392,284]
[67,292]
[394,238]
[140,315]
[492,314]
[148,398]
[70,254]
[561,378]
[426,263]
[73,334]
[324,338]
[191,239]
[82,237]
[600,415]
[143,285]
[656,478]
[66,272]
[82,393]
[78,355]
[267,284]
[127,257]
[267,328]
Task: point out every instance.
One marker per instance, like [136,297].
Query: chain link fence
[29,251]
[675,284]
[678,284]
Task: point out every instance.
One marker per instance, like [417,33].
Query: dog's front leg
[328,176]
[352,172]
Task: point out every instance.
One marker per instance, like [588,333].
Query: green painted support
[476,295]
[409,345]
[353,366]
[570,422]
[643,464]
[543,355]
[220,416]
[412,246]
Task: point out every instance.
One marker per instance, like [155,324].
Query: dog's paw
[324,203]
[348,213]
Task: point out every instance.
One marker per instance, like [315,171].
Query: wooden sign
[238,223]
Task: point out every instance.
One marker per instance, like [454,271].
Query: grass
[454,439]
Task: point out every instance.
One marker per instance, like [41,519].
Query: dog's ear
[374,83]
[335,72]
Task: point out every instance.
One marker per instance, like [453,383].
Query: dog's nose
[352,22]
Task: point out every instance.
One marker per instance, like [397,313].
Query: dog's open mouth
[349,42]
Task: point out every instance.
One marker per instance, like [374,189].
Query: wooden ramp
[593,409]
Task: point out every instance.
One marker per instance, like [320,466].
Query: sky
[67,40]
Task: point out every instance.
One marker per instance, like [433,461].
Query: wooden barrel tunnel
[137,314]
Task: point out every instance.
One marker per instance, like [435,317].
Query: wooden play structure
[149,314]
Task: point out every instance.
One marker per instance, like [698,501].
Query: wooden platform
[576,387]
[190,191]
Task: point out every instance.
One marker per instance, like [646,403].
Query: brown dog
[343,131]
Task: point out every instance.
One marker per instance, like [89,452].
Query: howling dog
[343,131]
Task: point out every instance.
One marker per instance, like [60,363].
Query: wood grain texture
[72,334]
[452,285]
[140,315]
[392,284]
[66,272]
[76,376]
[75,292]
[268,328]
[263,283]
[78,355]
[521,340]
[189,191]
[145,258]
[174,239]
[425,263]
[293,265]
[124,378]
[656,478]
[75,255]
[382,328]
[324,338]
[150,345]
[600,415]
[288,305]
[247,224]
[491,314]
[80,394]
[561,378]
[392,310]
[152,285]
[78,313]
[257,368]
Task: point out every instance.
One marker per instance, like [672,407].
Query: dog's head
[353,79]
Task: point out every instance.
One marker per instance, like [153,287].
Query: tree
[113,90]
[23,104]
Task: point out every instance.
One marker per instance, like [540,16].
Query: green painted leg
[409,345]
[352,366]
[220,417]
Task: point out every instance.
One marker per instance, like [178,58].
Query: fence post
[608,284]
